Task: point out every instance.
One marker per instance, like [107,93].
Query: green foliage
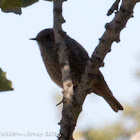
[15,5]
[120,130]
[49,0]
[25,3]
[127,125]
[138,74]
[5,85]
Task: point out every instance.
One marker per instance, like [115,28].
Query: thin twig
[113,7]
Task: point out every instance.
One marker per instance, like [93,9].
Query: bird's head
[45,38]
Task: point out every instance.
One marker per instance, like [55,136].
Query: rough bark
[65,69]
[73,100]
[114,7]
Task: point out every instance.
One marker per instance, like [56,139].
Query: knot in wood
[107,26]
[62,64]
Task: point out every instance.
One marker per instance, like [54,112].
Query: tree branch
[73,106]
[65,70]
[113,7]
[62,51]
[112,34]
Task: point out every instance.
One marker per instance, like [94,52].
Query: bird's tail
[112,101]
[103,90]
[108,96]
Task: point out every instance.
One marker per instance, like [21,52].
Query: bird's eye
[48,36]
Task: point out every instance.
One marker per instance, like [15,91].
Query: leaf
[5,85]
[49,0]
[25,3]
[15,5]
[11,6]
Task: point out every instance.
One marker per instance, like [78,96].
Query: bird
[78,58]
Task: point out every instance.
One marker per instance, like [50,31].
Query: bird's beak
[32,39]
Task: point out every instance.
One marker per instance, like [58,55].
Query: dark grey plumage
[78,57]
